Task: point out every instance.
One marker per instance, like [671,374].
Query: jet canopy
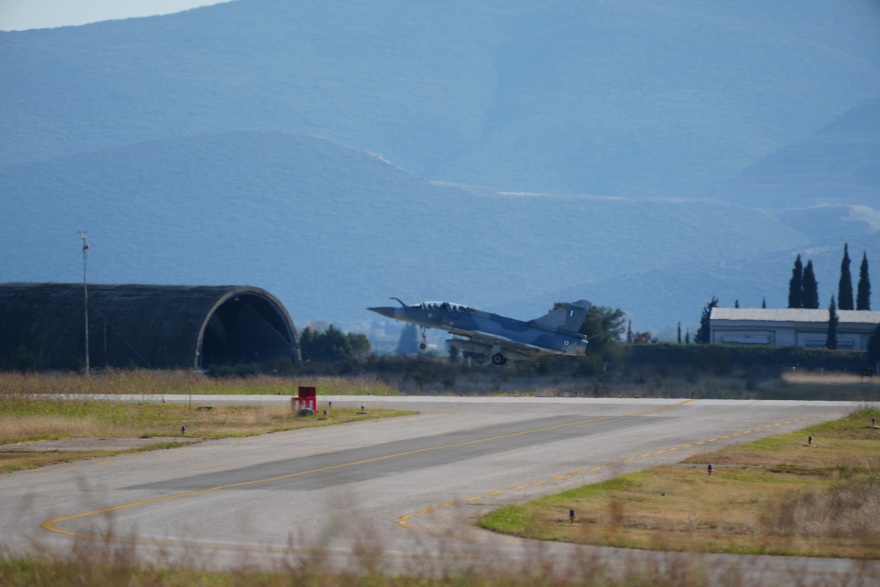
[442,306]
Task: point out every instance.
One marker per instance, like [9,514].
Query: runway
[406,491]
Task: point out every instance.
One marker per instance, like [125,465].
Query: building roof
[794,315]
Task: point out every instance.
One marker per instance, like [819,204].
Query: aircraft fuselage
[498,336]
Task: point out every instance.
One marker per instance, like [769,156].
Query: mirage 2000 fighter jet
[499,337]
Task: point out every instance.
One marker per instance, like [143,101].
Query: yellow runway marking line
[429,510]
[74,468]
[104,463]
[402,519]
[448,504]
[644,455]
[52,524]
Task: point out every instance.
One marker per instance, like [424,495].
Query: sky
[19,15]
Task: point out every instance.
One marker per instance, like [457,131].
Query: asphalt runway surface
[403,493]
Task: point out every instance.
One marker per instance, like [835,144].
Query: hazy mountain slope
[682,290]
[372,75]
[289,145]
[840,164]
[634,98]
[664,99]
[331,230]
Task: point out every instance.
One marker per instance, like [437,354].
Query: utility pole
[83,234]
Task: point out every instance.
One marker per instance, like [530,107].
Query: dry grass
[775,496]
[27,414]
[113,561]
[829,378]
[16,428]
[32,418]
[182,382]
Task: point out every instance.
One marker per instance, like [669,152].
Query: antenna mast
[83,234]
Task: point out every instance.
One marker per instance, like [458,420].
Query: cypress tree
[874,346]
[704,335]
[863,297]
[305,344]
[811,288]
[844,286]
[764,303]
[796,285]
[679,333]
[831,342]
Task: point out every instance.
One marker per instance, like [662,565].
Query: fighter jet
[499,337]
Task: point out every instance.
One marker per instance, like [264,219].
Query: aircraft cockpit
[444,307]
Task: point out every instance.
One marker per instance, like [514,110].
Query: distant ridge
[328,229]
[340,153]
[838,164]
[636,98]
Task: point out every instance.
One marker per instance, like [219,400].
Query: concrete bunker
[148,326]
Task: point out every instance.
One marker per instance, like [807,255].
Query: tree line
[803,289]
[605,326]
[803,292]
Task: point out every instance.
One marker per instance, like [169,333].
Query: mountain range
[499,154]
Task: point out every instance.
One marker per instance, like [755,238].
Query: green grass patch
[773,496]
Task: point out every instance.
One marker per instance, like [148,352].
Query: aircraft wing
[508,343]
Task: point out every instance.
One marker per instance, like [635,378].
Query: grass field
[28,413]
[779,495]
[772,496]
[149,382]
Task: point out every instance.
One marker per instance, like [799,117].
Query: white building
[791,327]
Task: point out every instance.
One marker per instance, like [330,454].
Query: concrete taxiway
[403,491]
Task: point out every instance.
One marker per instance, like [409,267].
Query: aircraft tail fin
[568,317]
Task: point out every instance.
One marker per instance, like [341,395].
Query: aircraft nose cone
[385,311]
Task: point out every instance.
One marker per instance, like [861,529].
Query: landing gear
[424,344]
[499,359]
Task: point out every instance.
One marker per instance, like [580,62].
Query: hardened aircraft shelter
[143,326]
